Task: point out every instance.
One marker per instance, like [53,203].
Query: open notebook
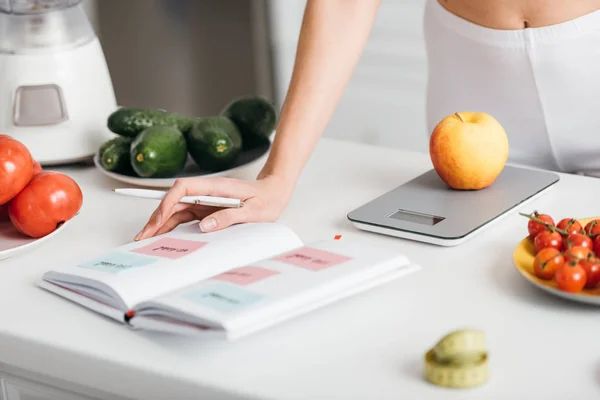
[228,283]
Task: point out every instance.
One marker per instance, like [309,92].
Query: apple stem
[459,117]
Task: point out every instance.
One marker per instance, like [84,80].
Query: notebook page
[142,270]
[269,289]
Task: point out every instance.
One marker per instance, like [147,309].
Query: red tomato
[37,168]
[548,239]
[569,225]
[534,227]
[50,199]
[546,262]
[577,253]
[579,240]
[571,277]
[592,271]
[592,228]
[4,212]
[597,245]
[16,167]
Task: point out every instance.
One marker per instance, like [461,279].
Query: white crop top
[541,84]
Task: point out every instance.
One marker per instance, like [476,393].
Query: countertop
[370,346]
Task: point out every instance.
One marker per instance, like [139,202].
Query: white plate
[13,243]
[245,159]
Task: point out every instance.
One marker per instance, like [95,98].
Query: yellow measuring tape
[458,360]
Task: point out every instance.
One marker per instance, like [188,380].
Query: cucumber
[255,118]
[214,143]
[130,122]
[115,156]
[105,146]
[158,152]
[110,142]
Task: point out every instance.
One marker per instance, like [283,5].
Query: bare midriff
[519,14]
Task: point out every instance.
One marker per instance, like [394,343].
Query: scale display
[419,218]
[426,209]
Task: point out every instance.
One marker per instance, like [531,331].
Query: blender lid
[34,6]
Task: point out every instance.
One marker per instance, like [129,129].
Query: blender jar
[38,25]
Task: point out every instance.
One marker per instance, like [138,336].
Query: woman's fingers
[224,218]
[155,222]
[222,187]
[180,217]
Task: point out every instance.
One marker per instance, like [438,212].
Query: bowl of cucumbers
[154,147]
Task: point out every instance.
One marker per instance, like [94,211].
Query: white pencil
[202,200]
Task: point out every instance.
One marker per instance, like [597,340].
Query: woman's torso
[532,64]
[518,14]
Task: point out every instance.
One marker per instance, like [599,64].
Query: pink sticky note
[170,248]
[313,259]
[245,275]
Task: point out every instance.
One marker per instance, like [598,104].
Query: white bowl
[13,243]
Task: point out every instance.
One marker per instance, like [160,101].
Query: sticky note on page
[171,248]
[223,296]
[312,259]
[245,275]
[117,262]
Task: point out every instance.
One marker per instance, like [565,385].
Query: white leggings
[541,84]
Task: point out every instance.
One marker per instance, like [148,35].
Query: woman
[532,64]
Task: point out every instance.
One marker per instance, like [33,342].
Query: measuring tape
[458,360]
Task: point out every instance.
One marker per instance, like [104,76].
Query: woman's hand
[332,37]
[264,201]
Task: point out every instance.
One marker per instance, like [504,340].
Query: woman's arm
[332,38]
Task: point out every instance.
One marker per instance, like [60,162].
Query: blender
[55,87]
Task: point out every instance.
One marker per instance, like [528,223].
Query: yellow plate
[523,258]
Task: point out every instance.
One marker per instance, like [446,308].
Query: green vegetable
[255,118]
[131,122]
[158,152]
[214,143]
[114,140]
[114,155]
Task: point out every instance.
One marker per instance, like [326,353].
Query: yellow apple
[468,150]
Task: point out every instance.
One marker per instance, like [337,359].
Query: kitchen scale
[425,209]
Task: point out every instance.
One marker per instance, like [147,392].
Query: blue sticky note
[116,262]
[223,296]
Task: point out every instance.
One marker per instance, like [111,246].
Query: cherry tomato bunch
[35,201]
[565,251]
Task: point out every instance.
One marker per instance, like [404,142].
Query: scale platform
[425,209]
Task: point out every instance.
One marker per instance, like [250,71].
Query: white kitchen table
[370,346]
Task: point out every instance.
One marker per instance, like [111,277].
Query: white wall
[385,101]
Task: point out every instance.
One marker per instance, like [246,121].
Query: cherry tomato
[16,167]
[571,277]
[546,262]
[50,199]
[569,225]
[579,240]
[592,228]
[4,212]
[37,168]
[597,245]
[548,239]
[592,271]
[534,227]
[577,253]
